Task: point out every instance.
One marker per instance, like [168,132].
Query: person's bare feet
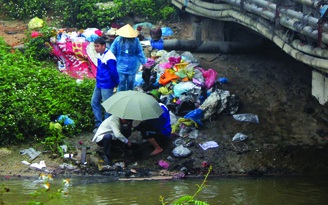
[156,151]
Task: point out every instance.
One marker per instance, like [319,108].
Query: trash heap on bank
[192,94]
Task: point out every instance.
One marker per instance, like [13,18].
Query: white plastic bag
[181,151]
[239,137]
[247,118]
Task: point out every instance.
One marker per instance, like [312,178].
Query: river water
[230,191]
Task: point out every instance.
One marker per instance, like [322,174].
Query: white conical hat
[127,32]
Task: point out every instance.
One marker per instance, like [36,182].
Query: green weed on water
[190,199]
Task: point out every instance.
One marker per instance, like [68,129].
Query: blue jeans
[126,82]
[99,95]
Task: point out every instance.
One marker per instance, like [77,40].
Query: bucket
[159,45]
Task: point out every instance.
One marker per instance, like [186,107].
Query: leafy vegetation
[188,199]
[35,93]
[88,13]
[36,44]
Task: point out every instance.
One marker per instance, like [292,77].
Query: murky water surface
[230,191]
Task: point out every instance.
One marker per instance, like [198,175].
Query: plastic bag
[198,78]
[181,151]
[239,137]
[163,164]
[188,57]
[173,118]
[210,77]
[184,130]
[167,31]
[31,152]
[66,120]
[195,115]
[35,23]
[167,77]
[193,134]
[182,87]
[209,145]
[184,142]
[247,118]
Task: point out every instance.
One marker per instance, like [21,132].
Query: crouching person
[158,129]
[113,129]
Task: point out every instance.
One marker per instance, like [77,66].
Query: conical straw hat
[127,32]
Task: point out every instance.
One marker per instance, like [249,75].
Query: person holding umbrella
[158,129]
[136,105]
[106,80]
[129,53]
[113,129]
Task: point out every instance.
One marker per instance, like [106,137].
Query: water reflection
[230,191]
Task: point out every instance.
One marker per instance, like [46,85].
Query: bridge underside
[229,26]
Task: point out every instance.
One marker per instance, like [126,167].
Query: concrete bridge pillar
[213,30]
[207,29]
[320,87]
[196,27]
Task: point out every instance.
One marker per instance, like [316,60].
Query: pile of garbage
[191,93]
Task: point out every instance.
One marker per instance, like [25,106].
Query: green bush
[83,14]
[23,9]
[36,43]
[33,92]
[88,13]
[32,89]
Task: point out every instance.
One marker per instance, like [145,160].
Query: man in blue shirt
[106,80]
[157,129]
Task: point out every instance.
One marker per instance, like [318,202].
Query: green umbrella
[133,105]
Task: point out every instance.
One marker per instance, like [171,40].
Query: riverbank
[290,139]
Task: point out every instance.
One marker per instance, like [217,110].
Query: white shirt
[111,126]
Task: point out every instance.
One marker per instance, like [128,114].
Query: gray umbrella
[133,105]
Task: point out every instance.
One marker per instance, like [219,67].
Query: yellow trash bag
[35,23]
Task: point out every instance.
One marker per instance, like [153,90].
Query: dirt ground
[291,138]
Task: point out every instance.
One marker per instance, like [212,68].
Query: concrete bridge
[296,26]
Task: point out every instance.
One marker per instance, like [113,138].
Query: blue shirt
[163,123]
[107,76]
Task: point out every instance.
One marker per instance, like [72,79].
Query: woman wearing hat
[129,54]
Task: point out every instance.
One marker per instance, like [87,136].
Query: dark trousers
[109,145]
[106,143]
[148,131]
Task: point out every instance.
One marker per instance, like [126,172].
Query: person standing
[113,128]
[106,80]
[129,54]
[158,129]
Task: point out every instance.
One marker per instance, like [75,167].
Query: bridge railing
[295,26]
